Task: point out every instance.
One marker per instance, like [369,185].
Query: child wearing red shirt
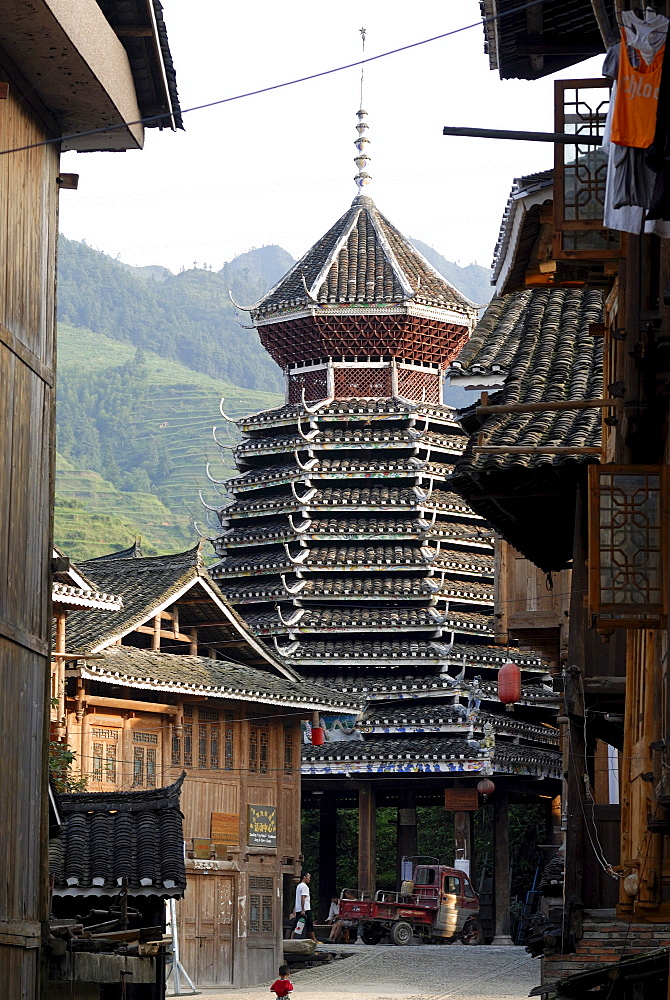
[282,986]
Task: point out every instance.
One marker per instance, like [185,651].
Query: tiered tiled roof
[363,259]
[345,548]
[534,346]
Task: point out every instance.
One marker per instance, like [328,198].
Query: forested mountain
[144,356]
[187,317]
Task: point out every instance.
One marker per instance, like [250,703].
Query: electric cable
[166,115]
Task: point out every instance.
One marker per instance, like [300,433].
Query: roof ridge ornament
[362,159]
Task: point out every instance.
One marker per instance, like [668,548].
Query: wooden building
[347,553]
[170,681]
[100,79]
[568,459]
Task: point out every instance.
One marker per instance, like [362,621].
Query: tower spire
[362,159]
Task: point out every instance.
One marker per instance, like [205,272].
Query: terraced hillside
[150,427]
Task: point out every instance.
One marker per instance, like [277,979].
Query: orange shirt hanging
[634,117]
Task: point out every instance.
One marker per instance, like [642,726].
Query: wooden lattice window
[259,747]
[254,913]
[315,384]
[264,762]
[423,386]
[229,743]
[260,904]
[580,172]
[628,539]
[363,382]
[188,744]
[144,767]
[288,751]
[207,735]
[104,756]
[176,745]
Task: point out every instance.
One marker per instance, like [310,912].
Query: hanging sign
[262,826]
[225,828]
[461,799]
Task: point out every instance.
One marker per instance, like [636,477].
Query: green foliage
[187,317]
[134,437]
[61,763]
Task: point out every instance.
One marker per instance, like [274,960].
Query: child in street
[282,986]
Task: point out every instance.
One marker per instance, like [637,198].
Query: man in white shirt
[303,908]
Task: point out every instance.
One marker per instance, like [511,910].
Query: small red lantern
[318,736]
[486,787]
[509,683]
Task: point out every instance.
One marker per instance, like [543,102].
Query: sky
[278,168]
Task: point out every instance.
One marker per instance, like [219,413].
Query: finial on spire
[362,178]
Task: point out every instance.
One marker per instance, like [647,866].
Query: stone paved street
[414,973]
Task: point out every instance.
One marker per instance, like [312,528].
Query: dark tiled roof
[539,341]
[363,259]
[353,498]
[432,750]
[568,21]
[378,587]
[151,65]
[359,618]
[142,582]
[388,685]
[524,232]
[289,412]
[431,714]
[145,669]
[414,652]
[108,836]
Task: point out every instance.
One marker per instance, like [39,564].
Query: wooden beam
[560,138]
[564,404]
[535,619]
[133,31]
[124,704]
[514,449]
[367,837]
[164,633]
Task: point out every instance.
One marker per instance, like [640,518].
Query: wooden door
[207,929]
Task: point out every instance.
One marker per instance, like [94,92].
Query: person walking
[282,986]
[303,907]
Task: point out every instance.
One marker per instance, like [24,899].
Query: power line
[148,119]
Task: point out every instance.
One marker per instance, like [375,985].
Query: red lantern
[318,736]
[486,787]
[509,683]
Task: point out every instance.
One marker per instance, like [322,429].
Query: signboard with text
[461,799]
[262,826]
[225,828]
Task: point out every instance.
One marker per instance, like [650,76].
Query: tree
[61,769]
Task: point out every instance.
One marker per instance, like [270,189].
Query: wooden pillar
[327,852]
[501,894]
[193,645]
[156,637]
[463,836]
[367,837]
[406,841]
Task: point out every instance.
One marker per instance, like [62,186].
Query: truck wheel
[372,934]
[402,932]
[472,932]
